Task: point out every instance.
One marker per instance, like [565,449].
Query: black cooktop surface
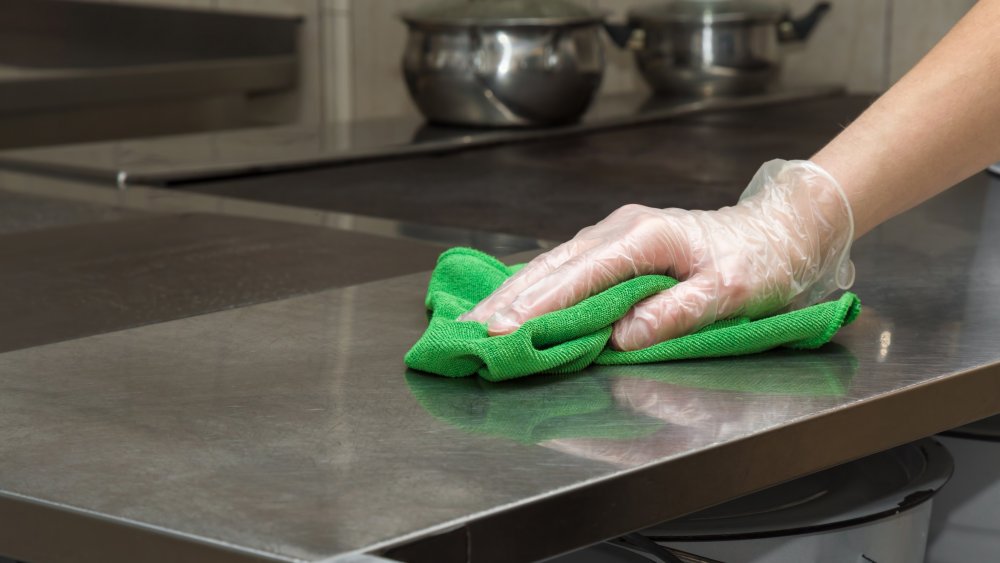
[551,188]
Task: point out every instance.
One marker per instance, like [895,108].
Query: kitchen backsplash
[351,48]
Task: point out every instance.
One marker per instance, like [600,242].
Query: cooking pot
[712,47]
[503,62]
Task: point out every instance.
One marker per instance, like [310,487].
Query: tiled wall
[352,48]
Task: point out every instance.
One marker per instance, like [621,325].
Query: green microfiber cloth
[571,339]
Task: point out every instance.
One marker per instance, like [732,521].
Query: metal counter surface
[29,191]
[117,269]
[290,431]
[23,212]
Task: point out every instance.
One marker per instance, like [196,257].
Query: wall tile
[268,7]
[914,31]
[379,38]
[307,105]
[847,47]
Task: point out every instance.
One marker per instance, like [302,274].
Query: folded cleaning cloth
[571,339]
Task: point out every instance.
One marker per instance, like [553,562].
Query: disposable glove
[785,244]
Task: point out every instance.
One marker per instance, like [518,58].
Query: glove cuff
[817,214]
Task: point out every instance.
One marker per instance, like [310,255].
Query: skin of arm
[935,127]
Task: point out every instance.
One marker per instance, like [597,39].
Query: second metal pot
[712,48]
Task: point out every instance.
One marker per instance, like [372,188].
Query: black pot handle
[790,30]
[620,33]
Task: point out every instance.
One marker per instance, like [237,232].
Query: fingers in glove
[539,267]
[572,282]
[680,310]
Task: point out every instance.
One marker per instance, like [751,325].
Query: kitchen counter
[74,281]
[291,431]
[20,212]
[72,269]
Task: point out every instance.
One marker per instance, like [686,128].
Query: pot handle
[790,30]
[624,35]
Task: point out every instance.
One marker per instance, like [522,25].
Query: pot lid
[502,12]
[708,11]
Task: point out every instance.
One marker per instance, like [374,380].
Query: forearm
[937,126]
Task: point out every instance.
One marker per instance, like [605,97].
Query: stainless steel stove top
[185,158]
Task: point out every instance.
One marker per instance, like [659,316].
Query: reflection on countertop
[630,415]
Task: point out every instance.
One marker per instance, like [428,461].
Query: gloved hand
[786,242]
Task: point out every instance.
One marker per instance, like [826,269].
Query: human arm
[935,127]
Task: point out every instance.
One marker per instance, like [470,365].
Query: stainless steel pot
[712,47]
[503,62]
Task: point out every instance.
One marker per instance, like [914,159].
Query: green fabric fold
[571,339]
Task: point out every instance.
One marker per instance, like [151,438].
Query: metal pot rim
[659,15]
[418,20]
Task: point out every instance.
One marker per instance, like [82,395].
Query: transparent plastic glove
[786,243]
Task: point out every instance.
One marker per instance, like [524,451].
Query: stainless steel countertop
[77,267]
[21,212]
[84,279]
[39,194]
[290,431]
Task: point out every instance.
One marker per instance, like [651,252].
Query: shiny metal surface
[495,13]
[291,430]
[78,280]
[189,158]
[515,75]
[709,59]
[158,200]
[702,11]
[707,49]
[21,212]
